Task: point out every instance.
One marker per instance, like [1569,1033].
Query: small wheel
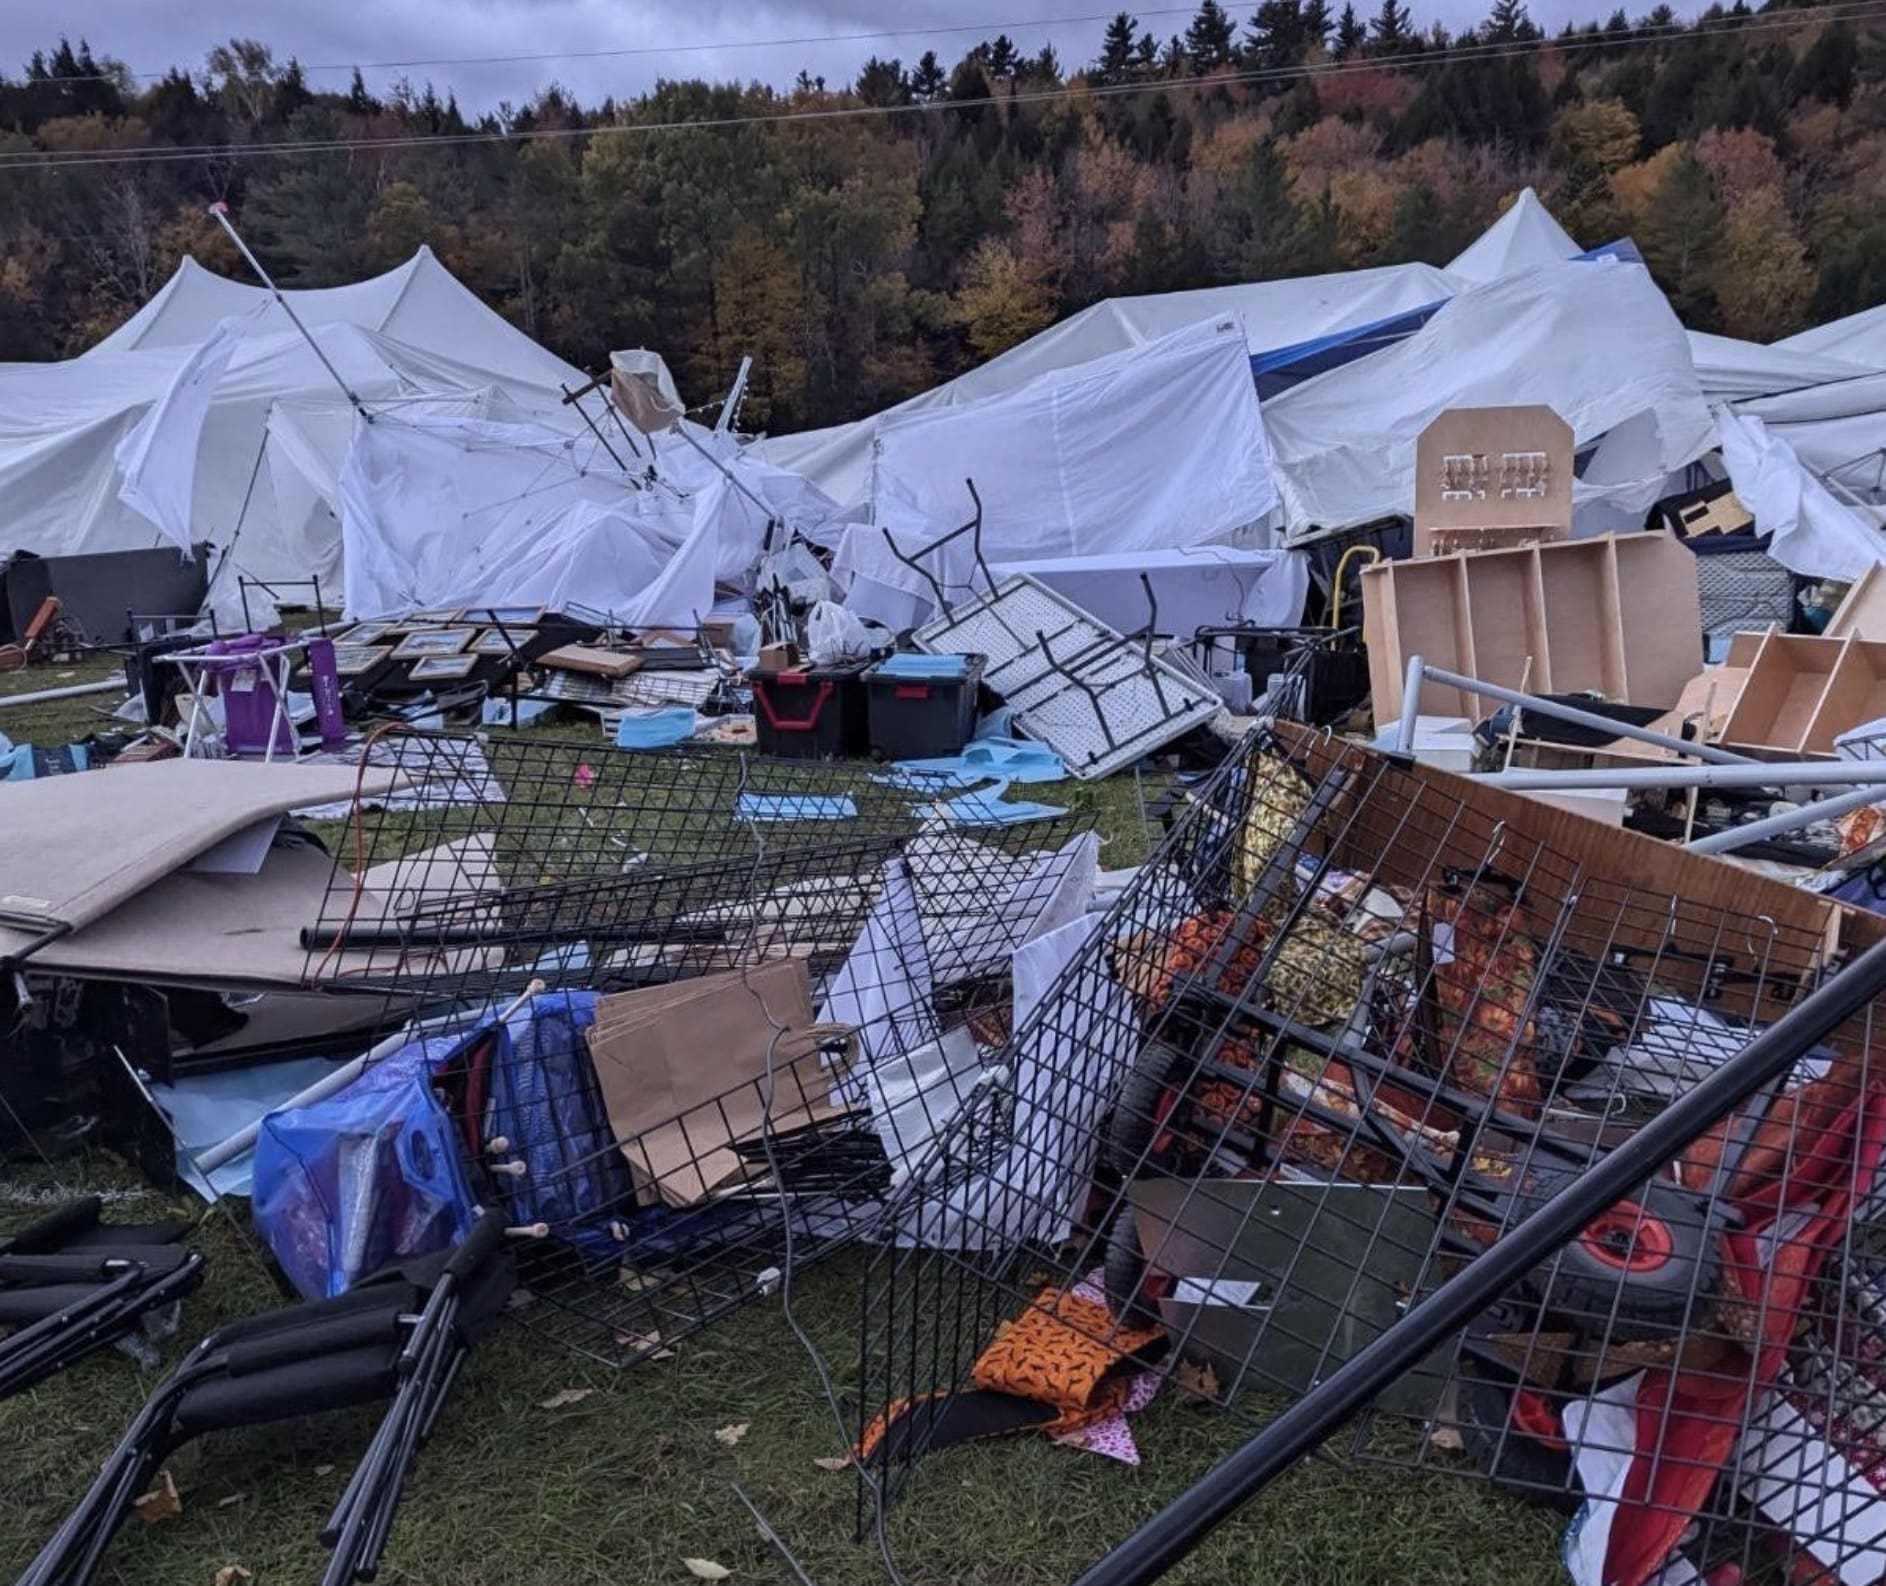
[1137,1118]
[1513,1435]
[1639,1271]
[1131,1288]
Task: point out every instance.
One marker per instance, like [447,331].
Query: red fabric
[1688,1421]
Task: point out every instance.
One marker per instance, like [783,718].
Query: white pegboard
[1098,700]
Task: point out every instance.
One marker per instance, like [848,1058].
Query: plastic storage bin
[922,706]
[810,713]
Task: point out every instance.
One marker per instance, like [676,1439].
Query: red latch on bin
[911,691]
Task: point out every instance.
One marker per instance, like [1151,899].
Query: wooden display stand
[1803,691]
[1617,614]
[1862,613]
[1492,479]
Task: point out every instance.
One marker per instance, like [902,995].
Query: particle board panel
[1862,612]
[1576,590]
[1659,616]
[1855,694]
[1779,703]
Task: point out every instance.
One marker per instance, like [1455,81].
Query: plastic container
[812,712]
[325,684]
[245,673]
[914,716]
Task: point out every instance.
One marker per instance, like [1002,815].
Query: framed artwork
[432,642]
[493,642]
[363,633]
[441,668]
[356,660]
[509,616]
[438,617]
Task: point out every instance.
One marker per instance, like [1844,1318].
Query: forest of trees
[865,241]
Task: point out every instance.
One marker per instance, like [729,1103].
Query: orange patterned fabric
[1063,1351]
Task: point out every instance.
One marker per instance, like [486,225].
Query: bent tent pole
[1208,1503]
[219,212]
[1789,820]
[1419,671]
[1785,773]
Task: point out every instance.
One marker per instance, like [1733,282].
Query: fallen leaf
[834,1462]
[732,1434]
[229,1574]
[564,1396]
[705,1569]
[162,1502]
[1199,1379]
[648,1344]
[234,1497]
[1446,1438]
[324,1470]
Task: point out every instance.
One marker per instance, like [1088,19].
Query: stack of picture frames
[438,647]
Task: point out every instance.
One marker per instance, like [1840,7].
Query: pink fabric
[1112,1437]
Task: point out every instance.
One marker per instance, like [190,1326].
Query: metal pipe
[1171,1534]
[41,695]
[1791,773]
[1577,717]
[1410,705]
[1787,821]
[220,212]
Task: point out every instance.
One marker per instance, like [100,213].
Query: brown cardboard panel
[1855,694]
[1658,616]
[1780,707]
[72,848]
[589,661]
[1575,587]
[1487,478]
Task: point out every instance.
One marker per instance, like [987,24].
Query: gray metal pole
[1410,704]
[220,211]
[110,685]
[1577,717]
[1793,773]
[1788,821]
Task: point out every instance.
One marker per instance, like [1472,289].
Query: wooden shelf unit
[1803,691]
[1617,613]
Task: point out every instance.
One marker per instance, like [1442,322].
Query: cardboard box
[1492,479]
[589,661]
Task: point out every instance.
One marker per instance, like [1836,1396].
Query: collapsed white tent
[1155,448]
[1593,339]
[1524,236]
[272,439]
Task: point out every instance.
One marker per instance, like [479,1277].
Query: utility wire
[1840,10]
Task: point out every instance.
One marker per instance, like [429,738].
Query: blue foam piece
[656,729]
[795,807]
[1012,759]
[985,807]
[913,664]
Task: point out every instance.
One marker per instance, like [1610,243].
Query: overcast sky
[722,39]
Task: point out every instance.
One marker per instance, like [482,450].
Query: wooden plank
[1862,613]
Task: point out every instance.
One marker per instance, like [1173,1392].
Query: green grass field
[621,1485]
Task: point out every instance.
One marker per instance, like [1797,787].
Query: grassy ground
[621,1485]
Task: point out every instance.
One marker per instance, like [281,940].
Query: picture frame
[363,634]
[493,642]
[441,668]
[356,660]
[436,617]
[505,616]
[432,642]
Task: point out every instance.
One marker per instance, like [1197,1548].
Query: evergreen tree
[1277,35]
[1351,35]
[882,83]
[1392,28]
[1681,235]
[1508,23]
[1417,233]
[1210,38]
[1003,58]
[1116,48]
[928,80]
[1045,68]
[359,101]
[1826,71]
[1316,24]
[1145,53]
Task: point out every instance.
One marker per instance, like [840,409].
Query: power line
[1837,10]
[700,48]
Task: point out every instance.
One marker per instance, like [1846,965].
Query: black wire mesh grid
[1352,1023]
[730,990]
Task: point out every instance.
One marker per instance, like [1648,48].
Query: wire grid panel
[1100,701]
[511,858]
[1350,1026]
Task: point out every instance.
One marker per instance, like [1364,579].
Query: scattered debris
[730,1435]
[564,1396]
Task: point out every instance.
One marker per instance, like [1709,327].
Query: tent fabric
[1814,534]
[1524,236]
[1594,340]
[1274,314]
[1858,339]
[1157,447]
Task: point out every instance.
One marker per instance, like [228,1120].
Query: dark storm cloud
[150,37]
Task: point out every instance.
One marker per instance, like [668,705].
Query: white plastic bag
[834,635]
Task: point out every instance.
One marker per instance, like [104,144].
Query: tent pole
[220,212]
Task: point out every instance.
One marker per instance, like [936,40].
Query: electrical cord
[768,1144]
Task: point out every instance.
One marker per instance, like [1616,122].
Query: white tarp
[1522,237]
[1592,339]
[1158,447]
[1815,534]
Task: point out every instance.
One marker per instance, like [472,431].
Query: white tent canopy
[1522,237]
[1592,339]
